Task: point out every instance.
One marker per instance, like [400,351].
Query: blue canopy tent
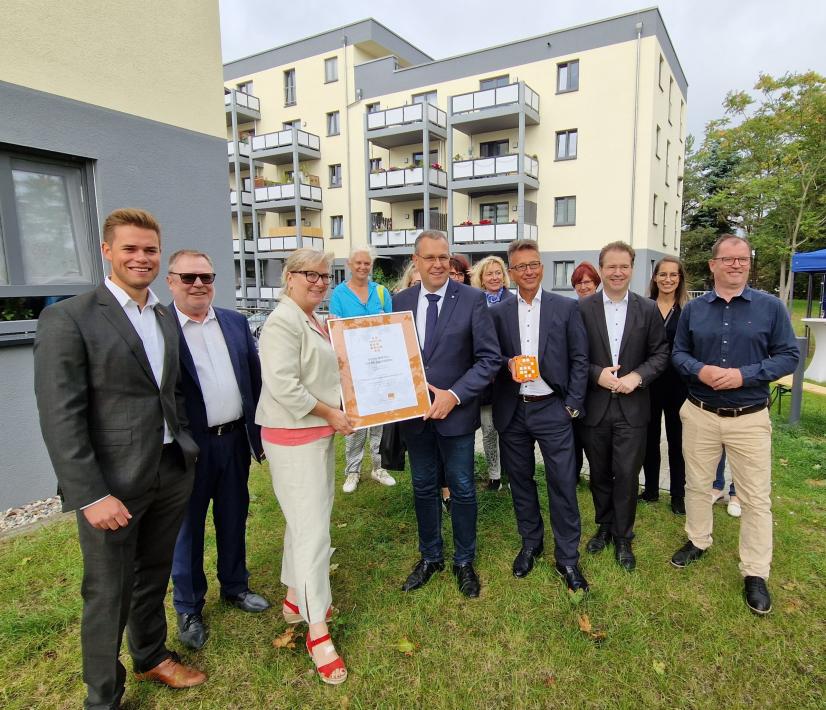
[811,263]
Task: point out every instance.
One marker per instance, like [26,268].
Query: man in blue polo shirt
[731,344]
[361,297]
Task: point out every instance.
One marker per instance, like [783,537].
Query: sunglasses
[190,279]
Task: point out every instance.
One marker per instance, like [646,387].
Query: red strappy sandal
[326,671]
[293,616]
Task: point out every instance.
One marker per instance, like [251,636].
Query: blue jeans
[720,480]
[430,453]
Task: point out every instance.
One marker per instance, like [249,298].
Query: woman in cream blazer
[299,411]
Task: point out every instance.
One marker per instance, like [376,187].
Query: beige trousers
[748,448]
[303,481]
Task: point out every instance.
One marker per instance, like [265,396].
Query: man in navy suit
[221,380]
[461,358]
[548,327]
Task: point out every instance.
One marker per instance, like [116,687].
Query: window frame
[340,234]
[665,221]
[660,72]
[499,142]
[333,62]
[334,117]
[667,160]
[496,206]
[417,98]
[654,211]
[290,87]
[569,199]
[567,66]
[331,171]
[565,284]
[496,82]
[567,133]
[670,99]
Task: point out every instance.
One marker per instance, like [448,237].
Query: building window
[494,82]
[567,76]
[48,243]
[665,217]
[335,175]
[496,212]
[676,226]
[670,97]
[336,226]
[563,270]
[682,112]
[372,108]
[667,160]
[287,125]
[493,149]
[418,158]
[330,70]
[654,210]
[289,87]
[428,97]
[657,141]
[245,87]
[564,211]
[332,124]
[660,72]
[375,164]
[566,144]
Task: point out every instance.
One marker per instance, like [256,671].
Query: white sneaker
[734,509]
[351,482]
[380,475]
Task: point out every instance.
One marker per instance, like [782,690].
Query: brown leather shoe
[173,673]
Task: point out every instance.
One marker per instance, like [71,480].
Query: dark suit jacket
[247,368]
[101,412]
[562,354]
[465,357]
[644,350]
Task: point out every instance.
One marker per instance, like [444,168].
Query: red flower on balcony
[436,166]
[466,223]
[485,221]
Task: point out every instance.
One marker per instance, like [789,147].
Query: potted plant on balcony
[458,156]
[436,166]
[485,221]
[466,223]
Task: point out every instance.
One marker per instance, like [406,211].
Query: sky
[721,44]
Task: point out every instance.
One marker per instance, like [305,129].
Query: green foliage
[386,280]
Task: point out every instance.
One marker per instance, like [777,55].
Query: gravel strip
[33,512]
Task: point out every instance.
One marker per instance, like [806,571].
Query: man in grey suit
[112,417]
[627,351]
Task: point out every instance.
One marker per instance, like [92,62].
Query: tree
[775,192]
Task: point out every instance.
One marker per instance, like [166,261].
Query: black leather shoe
[421,573]
[624,555]
[495,485]
[573,577]
[757,595]
[523,563]
[677,505]
[247,601]
[192,632]
[648,497]
[687,554]
[469,584]
[599,541]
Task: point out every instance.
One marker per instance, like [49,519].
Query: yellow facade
[157,59]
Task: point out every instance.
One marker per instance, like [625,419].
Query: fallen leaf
[285,640]
[25,561]
[549,680]
[333,567]
[341,525]
[784,462]
[659,667]
[793,606]
[344,701]
[790,586]
[817,483]
[406,647]
[817,467]
[584,624]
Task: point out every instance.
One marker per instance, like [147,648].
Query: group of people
[149,412]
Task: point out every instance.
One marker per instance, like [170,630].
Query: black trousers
[548,424]
[615,452]
[125,577]
[667,396]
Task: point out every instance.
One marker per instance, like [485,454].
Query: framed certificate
[382,375]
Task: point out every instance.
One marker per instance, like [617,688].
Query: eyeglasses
[313,276]
[729,260]
[433,259]
[532,265]
[190,279]
[585,282]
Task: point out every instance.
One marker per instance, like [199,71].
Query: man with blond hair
[106,381]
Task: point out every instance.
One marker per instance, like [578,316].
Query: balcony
[402,184]
[494,109]
[479,233]
[247,107]
[281,198]
[243,150]
[282,239]
[246,201]
[394,237]
[277,148]
[404,125]
[483,175]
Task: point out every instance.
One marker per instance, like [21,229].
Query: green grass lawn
[672,638]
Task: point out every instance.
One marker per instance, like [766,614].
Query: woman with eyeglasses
[299,411]
[491,276]
[459,269]
[668,391]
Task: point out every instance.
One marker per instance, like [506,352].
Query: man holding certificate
[461,357]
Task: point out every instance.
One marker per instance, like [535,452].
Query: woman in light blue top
[359,296]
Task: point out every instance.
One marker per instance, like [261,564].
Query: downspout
[634,149]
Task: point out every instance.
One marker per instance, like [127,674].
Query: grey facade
[177,174]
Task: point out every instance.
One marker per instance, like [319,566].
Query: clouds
[722,44]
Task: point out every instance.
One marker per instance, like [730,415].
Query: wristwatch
[573,412]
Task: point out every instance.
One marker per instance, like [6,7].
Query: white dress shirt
[216,375]
[149,331]
[615,312]
[529,340]
[421,309]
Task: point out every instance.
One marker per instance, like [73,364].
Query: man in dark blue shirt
[731,344]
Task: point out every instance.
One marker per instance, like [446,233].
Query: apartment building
[101,106]
[573,138]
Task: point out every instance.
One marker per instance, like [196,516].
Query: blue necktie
[431,317]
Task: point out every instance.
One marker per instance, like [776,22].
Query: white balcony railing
[249,246]
[246,198]
[406,114]
[244,100]
[464,234]
[394,237]
[284,139]
[275,193]
[243,149]
[406,177]
[491,98]
[289,243]
[494,167]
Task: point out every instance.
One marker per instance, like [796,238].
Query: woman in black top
[668,392]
